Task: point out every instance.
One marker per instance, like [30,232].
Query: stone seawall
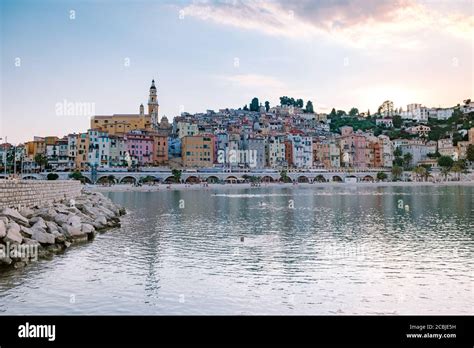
[30,193]
[28,234]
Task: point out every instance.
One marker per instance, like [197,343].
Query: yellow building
[82,151]
[198,151]
[120,124]
[37,146]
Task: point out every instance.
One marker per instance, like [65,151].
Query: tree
[52,176]
[77,175]
[457,169]
[176,175]
[397,121]
[254,105]
[397,152]
[354,112]
[445,162]
[284,176]
[407,158]
[470,153]
[396,172]
[267,106]
[340,113]
[41,160]
[299,103]
[309,107]
[419,171]
[381,176]
[333,113]
[246,107]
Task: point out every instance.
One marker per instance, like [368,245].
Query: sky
[58,56]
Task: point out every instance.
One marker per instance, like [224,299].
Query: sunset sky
[217,54]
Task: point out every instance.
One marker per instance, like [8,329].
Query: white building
[276,151]
[99,149]
[441,114]
[416,112]
[302,151]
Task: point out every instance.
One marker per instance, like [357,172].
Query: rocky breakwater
[38,232]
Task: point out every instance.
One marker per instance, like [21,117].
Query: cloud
[251,81]
[357,22]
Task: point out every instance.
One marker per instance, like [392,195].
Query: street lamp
[5,156]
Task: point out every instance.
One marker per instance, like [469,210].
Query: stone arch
[212,179]
[170,180]
[368,178]
[302,179]
[128,180]
[192,179]
[26,177]
[232,179]
[319,178]
[267,178]
[336,178]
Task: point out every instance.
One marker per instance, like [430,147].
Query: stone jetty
[40,231]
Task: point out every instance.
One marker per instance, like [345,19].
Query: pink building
[140,147]
[353,148]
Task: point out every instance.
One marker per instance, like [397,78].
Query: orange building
[198,150]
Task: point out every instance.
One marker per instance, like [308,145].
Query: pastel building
[302,151]
[198,150]
[99,147]
[139,145]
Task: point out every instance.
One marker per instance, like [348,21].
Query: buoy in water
[242,239]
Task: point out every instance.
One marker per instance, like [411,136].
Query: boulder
[5,259]
[58,236]
[100,222]
[87,228]
[13,235]
[47,214]
[26,231]
[61,219]
[38,222]
[52,226]
[12,214]
[41,236]
[28,241]
[74,221]
[74,232]
[27,212]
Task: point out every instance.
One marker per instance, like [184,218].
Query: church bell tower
[153,106]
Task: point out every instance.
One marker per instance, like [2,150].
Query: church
[121,124]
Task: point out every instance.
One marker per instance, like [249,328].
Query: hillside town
[285,137]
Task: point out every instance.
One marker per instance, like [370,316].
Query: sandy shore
[163,187]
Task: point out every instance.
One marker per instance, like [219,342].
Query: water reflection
[333,250]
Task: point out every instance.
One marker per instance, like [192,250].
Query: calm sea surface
[306,250]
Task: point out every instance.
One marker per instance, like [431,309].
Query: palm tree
[381,176]
[456,168]
[396,172]
[420,171]
[445,172]
[40,160]
[284,176]
[111,179]
[176,175]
